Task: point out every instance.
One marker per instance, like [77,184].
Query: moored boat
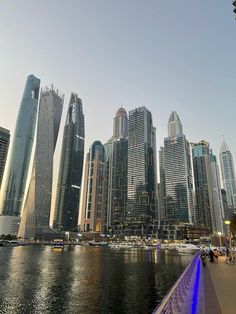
[58,244]
[187,248]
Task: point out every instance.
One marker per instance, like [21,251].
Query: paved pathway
[220,287]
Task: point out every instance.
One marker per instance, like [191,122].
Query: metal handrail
[182,297]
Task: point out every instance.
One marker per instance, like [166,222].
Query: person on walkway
[215,253]
[211,256]
[203,257]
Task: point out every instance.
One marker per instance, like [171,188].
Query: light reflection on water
[85,279]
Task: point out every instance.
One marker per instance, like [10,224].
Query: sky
[165,55]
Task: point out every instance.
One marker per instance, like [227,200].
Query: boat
[127,245]
[58,244]
[187,248]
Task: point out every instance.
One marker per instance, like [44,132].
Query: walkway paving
[220,287]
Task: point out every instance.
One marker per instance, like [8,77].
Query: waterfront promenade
[220,287]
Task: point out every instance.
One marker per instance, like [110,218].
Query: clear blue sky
[166,55]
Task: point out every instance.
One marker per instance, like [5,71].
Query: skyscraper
[71,168]
[36,212]
[141,171]
[228,175]
[178,173]
[91,220]
[115,173]
[162,189]
[21,148]
[4,144]
[209,204]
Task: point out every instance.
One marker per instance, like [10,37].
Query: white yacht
[187,248]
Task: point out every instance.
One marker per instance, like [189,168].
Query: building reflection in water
[85,279]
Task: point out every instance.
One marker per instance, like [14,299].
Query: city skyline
[181,64]
[150,74]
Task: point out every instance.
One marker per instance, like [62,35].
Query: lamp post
[219,234]
[227,222]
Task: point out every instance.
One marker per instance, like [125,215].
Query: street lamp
[227,222]
[219,234]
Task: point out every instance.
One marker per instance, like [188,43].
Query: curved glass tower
[71,168]
[36,212]
[21,148]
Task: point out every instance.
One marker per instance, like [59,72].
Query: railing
[187,294]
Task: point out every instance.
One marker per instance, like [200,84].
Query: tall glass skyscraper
[71,168]
[91,220]
[4,144]
[20,153]
[37,207]
[209,204]
[228,175]
[178,173]
[141,171]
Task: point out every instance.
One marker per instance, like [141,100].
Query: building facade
[37,207]
[4,145]
[71,168]
[209,204]
[142,183]
[92,203]
[228,175]
[21,148]
[115,175]
[178,173]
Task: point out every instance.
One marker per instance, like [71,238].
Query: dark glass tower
[71,168]
[21,149]
[4,144]
[141,171]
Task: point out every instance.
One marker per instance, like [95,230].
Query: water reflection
[85,279]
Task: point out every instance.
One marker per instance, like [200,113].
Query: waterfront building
[178,173]
[209,205]
[71,168]
[115,174]
[228,175]
[107,186]
[92,202]
[142,183]
[9,225]
[36,211]
[4,144]
[227,211]
[20,152]
[161,189]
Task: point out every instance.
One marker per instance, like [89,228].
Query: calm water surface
[85,280]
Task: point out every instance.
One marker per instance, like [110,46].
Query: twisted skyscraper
[36,212]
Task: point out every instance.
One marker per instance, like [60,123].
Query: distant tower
[115,173]
[36,212]
[4,144]
[142,185]
[209,204]
[228,175]
[120,124]
[178,173]
[21,147]
[93,189]
[71,168]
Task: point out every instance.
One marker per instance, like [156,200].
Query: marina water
[84,280]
